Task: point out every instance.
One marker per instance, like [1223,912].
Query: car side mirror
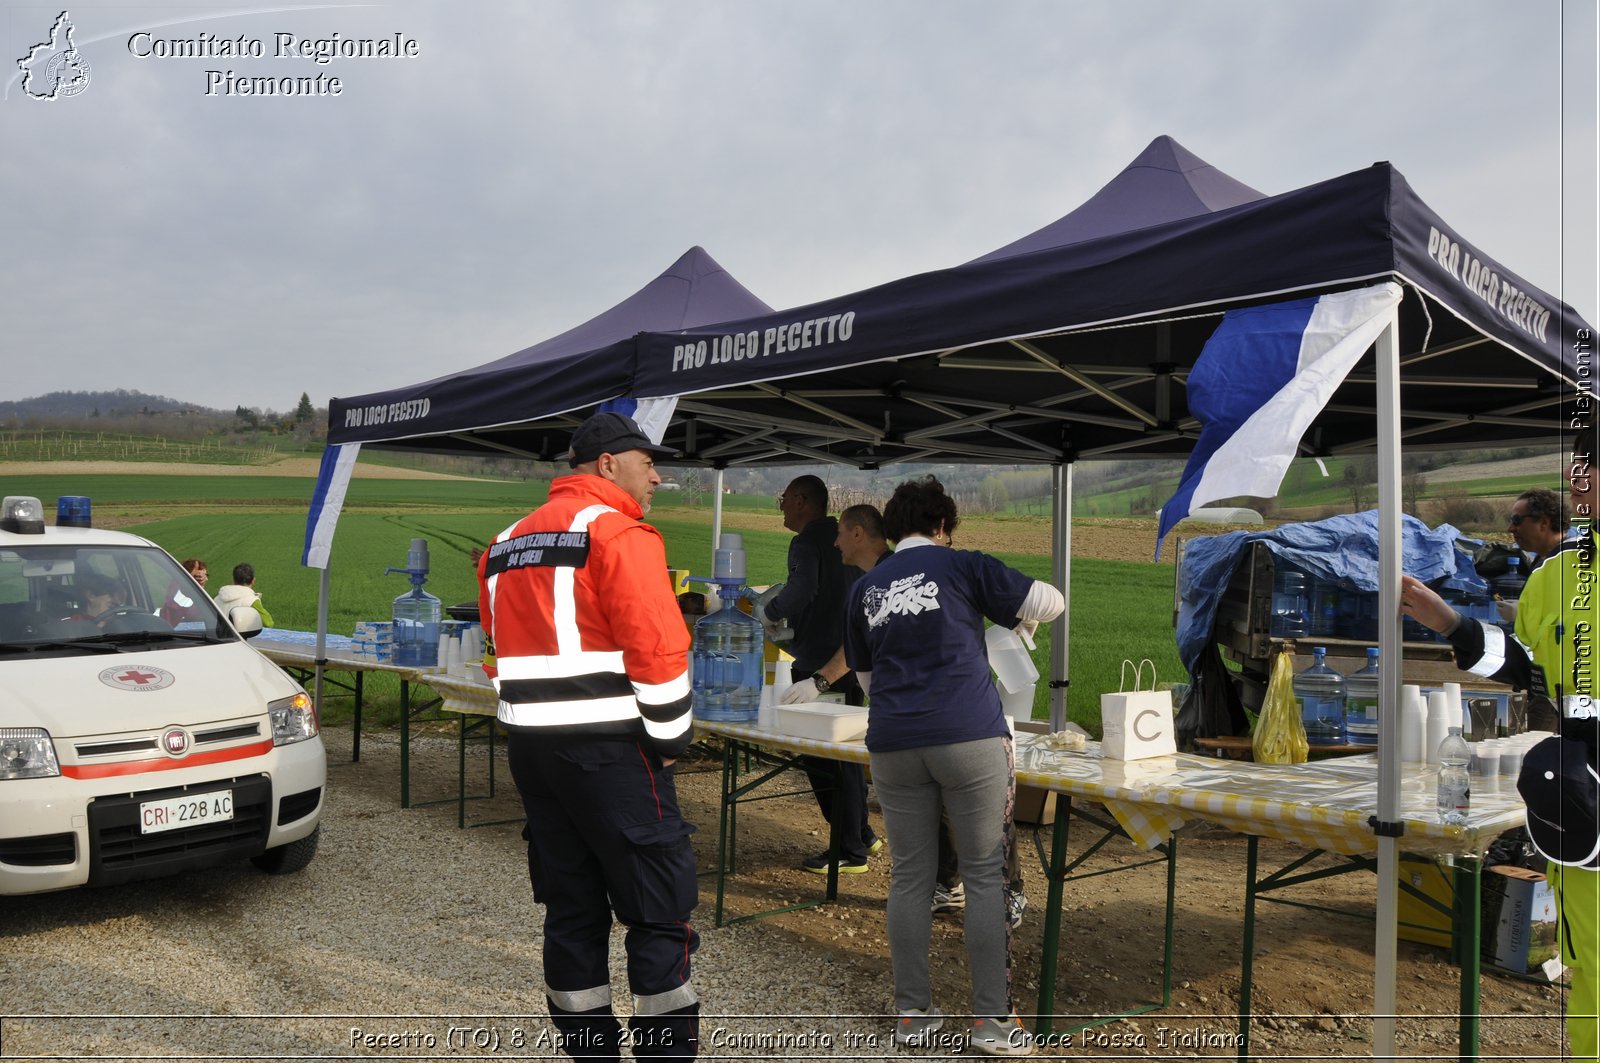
[245,620]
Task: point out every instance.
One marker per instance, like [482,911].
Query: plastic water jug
[1509,586]
[1455,784]
[1016,676]
[416,629]
[1321,693]
[729,654]
[1361,702]
[1288,603]
[1323,612]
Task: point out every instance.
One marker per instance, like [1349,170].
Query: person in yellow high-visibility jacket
[1553,654]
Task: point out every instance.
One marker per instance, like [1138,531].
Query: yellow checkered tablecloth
[1322,805]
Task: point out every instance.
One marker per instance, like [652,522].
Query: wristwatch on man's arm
[823,686]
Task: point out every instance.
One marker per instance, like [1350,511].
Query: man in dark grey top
[812,602]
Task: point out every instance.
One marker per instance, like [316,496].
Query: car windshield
[94,598]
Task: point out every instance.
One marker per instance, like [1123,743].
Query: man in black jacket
[812,603]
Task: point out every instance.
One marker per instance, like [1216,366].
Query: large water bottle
[1361,702]
[416,614]
[729,655]
[1288,603]
[709,650]
[1455,785]
[1323,612]
[416,629]
[746,670]
[1509,586]
[1321,693]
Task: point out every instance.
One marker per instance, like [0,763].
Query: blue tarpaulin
[1340,550]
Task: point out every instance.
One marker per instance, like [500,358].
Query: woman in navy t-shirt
[937,734]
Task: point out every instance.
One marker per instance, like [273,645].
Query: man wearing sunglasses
[1538,523]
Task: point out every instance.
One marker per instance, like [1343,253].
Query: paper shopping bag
[1137,724]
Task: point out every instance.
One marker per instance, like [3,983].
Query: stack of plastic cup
[1510,763]
[1485,767]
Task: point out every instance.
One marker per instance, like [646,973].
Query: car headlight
[27,753]
[294,719]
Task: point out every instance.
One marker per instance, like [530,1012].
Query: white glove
[1507,610]
[1025,630]
[805,690]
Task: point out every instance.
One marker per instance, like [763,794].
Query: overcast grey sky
[538,161]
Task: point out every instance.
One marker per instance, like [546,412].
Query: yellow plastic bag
[1280,736]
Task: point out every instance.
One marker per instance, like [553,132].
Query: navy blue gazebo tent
[481,410]
[1074,342]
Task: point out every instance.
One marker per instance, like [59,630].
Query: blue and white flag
[1262,379]
[326,502]
[651,415]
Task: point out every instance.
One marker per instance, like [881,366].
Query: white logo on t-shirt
[909,595]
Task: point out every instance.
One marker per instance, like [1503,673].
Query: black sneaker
[818,865]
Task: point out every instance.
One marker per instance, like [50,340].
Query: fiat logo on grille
[175,742]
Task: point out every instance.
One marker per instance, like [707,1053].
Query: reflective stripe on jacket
[588,636]
[1556,633]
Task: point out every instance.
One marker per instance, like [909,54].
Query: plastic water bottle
[1321,692]
[1455,784]
[416,614]
[1361,702]
[1509,586]
[744,673]
[729,652]
[1288,603]
[1323,618]
[416,629]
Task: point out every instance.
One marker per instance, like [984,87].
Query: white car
[140,735]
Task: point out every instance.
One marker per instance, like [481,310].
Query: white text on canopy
[410,410]
[1505,298]
[759,343]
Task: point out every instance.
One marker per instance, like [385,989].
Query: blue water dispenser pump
[416,614]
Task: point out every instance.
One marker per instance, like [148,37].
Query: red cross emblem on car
[137,678]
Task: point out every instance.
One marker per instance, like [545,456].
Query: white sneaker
[1001,1037]
[949,900]
[916,1028]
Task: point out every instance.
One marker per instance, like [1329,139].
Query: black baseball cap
[610,433]
[1561,789]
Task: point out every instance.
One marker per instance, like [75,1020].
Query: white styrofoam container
[825,721]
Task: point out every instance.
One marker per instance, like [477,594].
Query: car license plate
[190,810]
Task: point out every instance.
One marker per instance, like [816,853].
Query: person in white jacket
[242,591]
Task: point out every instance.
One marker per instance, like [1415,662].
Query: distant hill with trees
[136,413]
[84,425]
[59,405]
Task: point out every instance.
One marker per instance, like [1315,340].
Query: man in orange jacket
[591,666]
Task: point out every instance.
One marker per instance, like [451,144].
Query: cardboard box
[1519,921]
[1517,916]
[1034,805]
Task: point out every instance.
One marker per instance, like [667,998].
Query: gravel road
[408,937]
[405,937]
